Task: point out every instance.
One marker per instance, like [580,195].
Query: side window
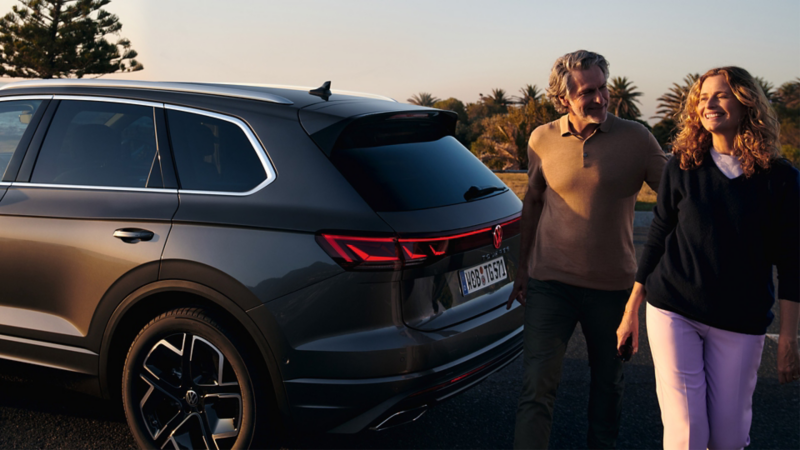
[15,116]
[213,154]
[99,144]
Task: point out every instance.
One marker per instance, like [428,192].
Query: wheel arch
[147,302]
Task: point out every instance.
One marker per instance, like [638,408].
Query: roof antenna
[323,91]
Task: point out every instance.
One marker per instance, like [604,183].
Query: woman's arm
[788,264]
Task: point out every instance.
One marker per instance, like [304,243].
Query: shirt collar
[605,127]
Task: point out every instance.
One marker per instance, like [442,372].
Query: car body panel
[59,245]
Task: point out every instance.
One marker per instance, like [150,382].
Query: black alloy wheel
[187,386]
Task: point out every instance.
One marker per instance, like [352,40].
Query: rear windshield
[410,176]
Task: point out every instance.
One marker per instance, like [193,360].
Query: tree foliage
[788,95]
[530,93]
[62,38]
[767,88]
[504,141]
[623,98]
[498,101]
[423,99]
[669,104]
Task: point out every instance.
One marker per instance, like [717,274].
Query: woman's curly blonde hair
[756,143]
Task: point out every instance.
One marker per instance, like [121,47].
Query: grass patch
[644,206]
[518,182]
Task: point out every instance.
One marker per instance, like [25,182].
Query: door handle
[133,235]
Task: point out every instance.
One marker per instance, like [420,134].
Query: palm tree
[423,99]
[624,98]
[530,93]
[767,88]
[669,104]
[497,98]
[789,94]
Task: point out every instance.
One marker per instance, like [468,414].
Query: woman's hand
[788,355]
[629,326]
[788,359]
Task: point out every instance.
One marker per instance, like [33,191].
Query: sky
[453,48]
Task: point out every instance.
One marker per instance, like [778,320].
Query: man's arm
[656,159]
[531,212]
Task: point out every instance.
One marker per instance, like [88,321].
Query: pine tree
[61,39]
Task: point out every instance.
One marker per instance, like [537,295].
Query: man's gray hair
[560,79]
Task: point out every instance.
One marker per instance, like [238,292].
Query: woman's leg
[731,361]
[677,347]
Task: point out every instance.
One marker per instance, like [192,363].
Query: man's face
[587,99]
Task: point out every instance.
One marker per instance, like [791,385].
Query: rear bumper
[352,405]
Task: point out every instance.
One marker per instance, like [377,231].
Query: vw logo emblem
[497,236]
[192,398]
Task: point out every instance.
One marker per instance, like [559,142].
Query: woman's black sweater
[714,240]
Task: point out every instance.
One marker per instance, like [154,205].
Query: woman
[728,209]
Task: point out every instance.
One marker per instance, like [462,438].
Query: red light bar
[359,252]
[454,380]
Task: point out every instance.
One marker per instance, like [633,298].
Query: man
[577,259]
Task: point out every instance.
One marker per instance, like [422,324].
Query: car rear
[418,314]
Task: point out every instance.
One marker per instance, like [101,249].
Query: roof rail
[308,88]
[221,89]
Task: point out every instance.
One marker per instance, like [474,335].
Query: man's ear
[563,101]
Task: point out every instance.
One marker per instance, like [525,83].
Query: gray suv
[230,260]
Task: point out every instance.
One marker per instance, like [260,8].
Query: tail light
[394,253]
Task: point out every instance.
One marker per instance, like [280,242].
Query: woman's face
[720,112]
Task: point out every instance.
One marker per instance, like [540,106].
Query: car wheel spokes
[165,360]
[189,434]
[209,366]
[224,414]
[158,407]
[189,394]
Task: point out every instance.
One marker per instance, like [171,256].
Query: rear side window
[413,175]
[15,116]
[99,144]
[212,154]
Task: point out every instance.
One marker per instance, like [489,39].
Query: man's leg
[550,318]
[601,314]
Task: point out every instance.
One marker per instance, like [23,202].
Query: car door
[88,210]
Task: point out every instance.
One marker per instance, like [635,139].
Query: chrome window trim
[188,87]
[87,98]
[47,344]
[251,137]
[261,152]
[90,188]
[5,183]
[26,97]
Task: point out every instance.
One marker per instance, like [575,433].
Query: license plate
[482,276]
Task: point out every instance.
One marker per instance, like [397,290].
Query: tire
[187,384]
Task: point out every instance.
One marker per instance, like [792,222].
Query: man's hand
[788,359]
[519,291]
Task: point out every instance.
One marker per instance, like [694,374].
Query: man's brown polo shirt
[585,233]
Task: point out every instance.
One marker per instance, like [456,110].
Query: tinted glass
[413,176]
[213,154]
[14,119]
[99,144]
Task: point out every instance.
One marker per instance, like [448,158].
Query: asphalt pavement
[36,413]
